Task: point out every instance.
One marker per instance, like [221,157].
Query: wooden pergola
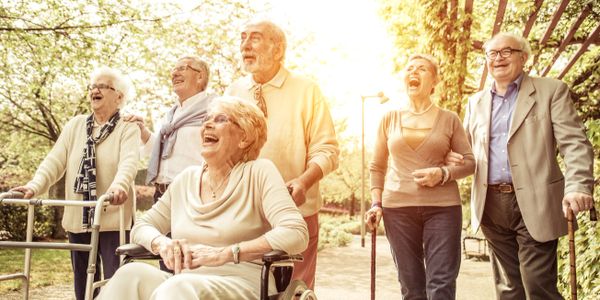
[568,39]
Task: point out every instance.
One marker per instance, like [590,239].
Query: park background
[353,49]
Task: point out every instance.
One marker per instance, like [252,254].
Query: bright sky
[352,53]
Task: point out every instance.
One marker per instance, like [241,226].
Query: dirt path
[344,273]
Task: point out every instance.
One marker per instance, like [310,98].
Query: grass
[48,267]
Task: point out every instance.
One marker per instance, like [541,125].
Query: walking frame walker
[13,197]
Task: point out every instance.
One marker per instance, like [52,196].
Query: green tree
[454,33]
[49,48]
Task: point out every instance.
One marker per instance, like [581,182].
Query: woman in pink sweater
[415,193]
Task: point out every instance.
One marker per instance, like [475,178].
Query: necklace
[423,112]
[214,190]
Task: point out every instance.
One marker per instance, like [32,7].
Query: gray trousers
[523,267]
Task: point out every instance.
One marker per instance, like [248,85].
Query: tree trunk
[57,191]
[352,204]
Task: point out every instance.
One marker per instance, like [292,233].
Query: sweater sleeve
[289,232]
[54,164]
[128,157]
[460,144]
[379,163]
[157,220]
[322,143]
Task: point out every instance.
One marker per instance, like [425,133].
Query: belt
[503,188]
[161,187]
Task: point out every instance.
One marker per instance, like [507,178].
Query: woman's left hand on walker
[429,177]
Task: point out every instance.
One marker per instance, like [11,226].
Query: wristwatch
[235,250]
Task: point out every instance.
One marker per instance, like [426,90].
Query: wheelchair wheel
[297,290]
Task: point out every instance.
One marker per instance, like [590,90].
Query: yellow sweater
[116,166]
[300,128]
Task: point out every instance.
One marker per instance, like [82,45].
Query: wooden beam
[497,27]
[555,18]
[586,11]
[591,38]
[532,18]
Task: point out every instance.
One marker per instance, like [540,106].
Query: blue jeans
[422,236]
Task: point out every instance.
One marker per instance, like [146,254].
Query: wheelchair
[277,261]
[13,197]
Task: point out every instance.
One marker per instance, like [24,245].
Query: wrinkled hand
[27,192]
[429,177]
[578,202]
[373,217]
[173,253]
[297,190]
[454,159]
[119,196]
[138,120]
[202,255]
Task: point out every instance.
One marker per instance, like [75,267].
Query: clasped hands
[178,254]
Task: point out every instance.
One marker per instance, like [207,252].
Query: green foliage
[442,29]
[342,188]
[14,221]
[49,48]
[455,36]
[587,238]
[333,231]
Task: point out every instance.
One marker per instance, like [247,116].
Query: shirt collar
[191,100]
[277,80]
[515,85]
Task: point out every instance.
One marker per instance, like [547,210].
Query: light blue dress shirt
[502,113]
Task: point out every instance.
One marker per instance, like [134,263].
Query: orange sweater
[399,189]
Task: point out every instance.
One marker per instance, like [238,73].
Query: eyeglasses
[220,119]
[183,68]
[504,53]
[100,86]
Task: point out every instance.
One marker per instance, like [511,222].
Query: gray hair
[276,34]
[523,42]
[120,82]
[200,64]
[248,117]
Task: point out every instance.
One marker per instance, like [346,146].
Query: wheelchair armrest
[135,251]
[278,255]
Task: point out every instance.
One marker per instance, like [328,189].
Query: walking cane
[373,255]
[571,230]
[573,270]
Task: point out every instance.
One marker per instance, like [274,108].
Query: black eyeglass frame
[504,53]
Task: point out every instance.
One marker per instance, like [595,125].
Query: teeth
[210,139]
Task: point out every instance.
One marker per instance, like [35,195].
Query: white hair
[120,82]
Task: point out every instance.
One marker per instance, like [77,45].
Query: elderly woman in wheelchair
[223,215]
